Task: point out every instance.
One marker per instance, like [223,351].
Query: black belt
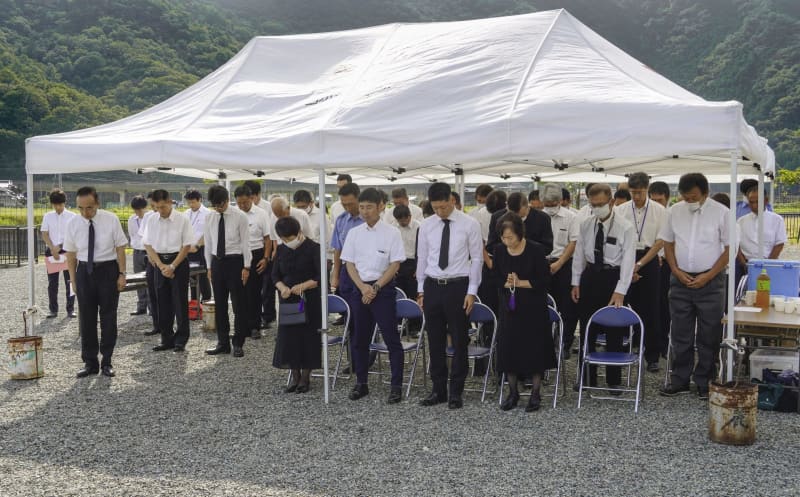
[694,275]
[232,256]
[448,281]
[139,251]
[643,251]
[168,257]
[98,263]
[604,267]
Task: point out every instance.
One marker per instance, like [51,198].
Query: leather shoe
[179,348]
[303,388]
[510,402]
[455,403]
[702,392]
[72,314]
[138,313]
[51,315]
[358,391]
[395,396]
[534,403]
[433,399]
[290,388]
[162,346]
[652,367]
[108,371]
[87,371]
[151,333]
[237,351]
[219,349]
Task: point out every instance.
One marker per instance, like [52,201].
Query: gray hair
[550,192]
[281,203]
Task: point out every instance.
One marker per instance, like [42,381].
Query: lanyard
[195,218]
[644,218]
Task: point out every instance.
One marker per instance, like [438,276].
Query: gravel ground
[196,425]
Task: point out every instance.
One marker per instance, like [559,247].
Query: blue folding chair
[614,317]
[481,316]
[336,305]
[399,293]
[406,309]
[551,302]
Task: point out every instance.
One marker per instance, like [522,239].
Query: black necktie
[221,237]
[90,256]
[444,249]
[599,241]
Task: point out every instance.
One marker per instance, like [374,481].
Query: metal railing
[14,245]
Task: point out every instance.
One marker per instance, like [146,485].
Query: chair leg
[411,373]
[338,364]
[502,387]
[668,372]
[580,383]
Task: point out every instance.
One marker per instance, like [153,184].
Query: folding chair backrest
[551,302]
[555,317]
[481,314]
[337,305]
[741,289]
[399,294]
[408,309]
[615,317]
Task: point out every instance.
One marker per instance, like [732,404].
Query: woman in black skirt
[525,341]
[296,274]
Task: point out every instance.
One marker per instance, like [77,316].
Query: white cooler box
[772,359]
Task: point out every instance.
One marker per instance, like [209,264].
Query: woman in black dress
[296,274]
[525,341]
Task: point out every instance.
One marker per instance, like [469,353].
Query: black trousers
[641,296]
[52,287]
[382,310]
[444,313]
[226,280]
[253,289]
[561,290]
[405,279]
[268,296]
[152,293]
[97,293]
[173,303]
[139,265]
[205,286]
[597,287]
[664,317]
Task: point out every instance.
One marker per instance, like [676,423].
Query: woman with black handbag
[296,271]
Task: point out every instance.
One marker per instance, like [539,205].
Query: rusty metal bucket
[732,413]
[209,316]
[25,358]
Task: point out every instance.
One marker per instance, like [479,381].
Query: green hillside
[69,64]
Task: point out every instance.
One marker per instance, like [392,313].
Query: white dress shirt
[416,214]
[237,235]
[108,236]
[336,210]
[566,228]
[699,237]
[168,235]
[465,257]
[619,249]
[302,218]
[258,224]
[409,236]
[484,218]
[135,231]
[198,221]
[372,249]
[313,222]
[56,225]
[774,234]
[647,221]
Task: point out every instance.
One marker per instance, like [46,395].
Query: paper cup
[777,298]
[789,307]
[750,297]
[780,305]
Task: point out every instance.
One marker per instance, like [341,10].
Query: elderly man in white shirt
[281,208]
[480,213]
[95,246]
[261,250]
[54,224]
[774,232]
[167,239]
[696,246]
[400,197]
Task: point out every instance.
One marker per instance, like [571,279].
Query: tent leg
[323,281]
[761,214]
[31,251]
[731,326]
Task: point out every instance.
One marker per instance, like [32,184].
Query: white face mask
[551,211]
[295,243]
[694,206]
[601,212]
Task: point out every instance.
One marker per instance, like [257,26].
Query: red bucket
[195,310]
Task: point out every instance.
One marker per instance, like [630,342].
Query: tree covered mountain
[69,64]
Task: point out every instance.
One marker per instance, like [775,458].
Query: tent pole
[772,190]
[731,326]
[31,247]
[761,253]
[323,279]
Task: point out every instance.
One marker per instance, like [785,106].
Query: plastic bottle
[762,290]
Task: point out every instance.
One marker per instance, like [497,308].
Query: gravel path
[200,426]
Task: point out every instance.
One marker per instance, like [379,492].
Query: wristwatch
[376,287]
[172,266]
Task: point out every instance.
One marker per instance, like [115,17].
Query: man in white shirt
[261,250]
[400,197]
[150,271]
[228,257]
[408,227]
[54,225]
[565,235]
[647,217]
[281,208]
[337,209]
[304,201]
[774,234]
[167,240]
[566,201]
[372,253]
[95,246]
[696,246]
[135,232]
[197,213]
[659,192]
[268,312]
[450,256]
[480,213]
[602,268]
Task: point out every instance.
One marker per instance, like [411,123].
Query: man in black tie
[228,257]
[95,245]
[450,255]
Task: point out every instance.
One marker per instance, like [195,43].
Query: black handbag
[292,313]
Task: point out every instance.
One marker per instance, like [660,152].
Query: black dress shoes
[433,399]
[237,351]
[87,371]
[51,315]
[162,346]
[455,403]
[395,396]
[290,388]
[107,371]
[138,313]
[219,349]
[510,402]
[358,391]
[72,314]
[151,333]
[179,348]
[303,388]
[534,403]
